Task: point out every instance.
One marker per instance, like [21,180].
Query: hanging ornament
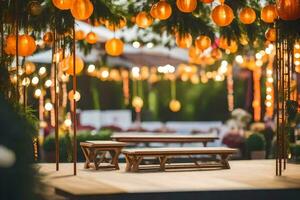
[207,1]
[143,20]
[10,47]
[75,97]
[202,42]
[164,10]
[114,47]
[26,45]
[222,15]
[269,14]
[82,9]
[288,9]
[174,105]
[186,6]
[247,15]
[34,8]
[154,11]
[29,67]
[271,34]
[115,26]
[194,52]
[184,41]
[216,53]
[137,102]
[48,38]
[70,66]
[91,38]
[79,35]
[62,4]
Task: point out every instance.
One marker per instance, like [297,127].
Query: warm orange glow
[222,15]
[29,67]
[216,53]
[143,20]
[186,6]
[271,34]
[174,105]
[288,9]
[184,41]
[82,9]
[26,45]
[78,67]
[48,38]
[247,15]
[202,42]
[207,1]
[114,47]
[256,104]
[269,102]
[62,4]
[164,10]
[79,35]
[268,14]
[91,38]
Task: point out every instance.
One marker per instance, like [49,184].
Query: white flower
[7,157]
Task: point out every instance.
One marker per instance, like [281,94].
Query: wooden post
[74,104]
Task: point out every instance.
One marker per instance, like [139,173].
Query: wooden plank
[103,143]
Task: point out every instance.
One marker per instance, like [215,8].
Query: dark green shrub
[256,142]
[295,150]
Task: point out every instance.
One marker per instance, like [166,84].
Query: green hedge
[256,142]
[66,145]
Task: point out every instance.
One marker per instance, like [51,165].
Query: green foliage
[295,150]
[256,142]
[66,143]
[19,181]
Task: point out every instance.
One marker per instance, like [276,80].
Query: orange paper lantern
[174,105]
[164,10]
[73,97]
[247,15]
[62,4]
[70,65]
[202,42]
[91,38]
[288,9]
[271,34]
[48,38]
[194,52]
[222,15]
[143,20]
[10,47]
[184,41]
[114,47]
[82,9]
[115,26]
[29,67]
[207,1]
[186,6]
[216,53]
[26,45]
[268,14]
[154,11]
[79,35]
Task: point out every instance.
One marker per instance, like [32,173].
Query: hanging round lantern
[79,35]
[222,15]
[70,65]
[216,53]
[82,9]
[186,6]
[207,1]
[26,45]
[202,42]
[48,38]
[154,11]
[62,4]
[271,34]
[143,20]
[194,52]
[137,102]
[247,15]
[164,10]
[288,9]
[75,97]
[91,38]
[268,14]
[233,47]
[115,26]
[174,105]
[29,67]
[10,47]
[184,41]
[114,47]
[34,8]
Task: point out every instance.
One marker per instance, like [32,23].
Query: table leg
[128,163]
[224,161]
[162,162]
[86,156]
[115,158]
[136,162]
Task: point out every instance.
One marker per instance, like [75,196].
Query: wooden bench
[164,138]
[94,153]
[135,156]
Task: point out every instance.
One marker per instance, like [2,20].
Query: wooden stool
[94,153]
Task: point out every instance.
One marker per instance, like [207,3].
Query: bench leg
[224,161]
[162,162]
[128,163]
[86,156]
[136,162]
[115,158]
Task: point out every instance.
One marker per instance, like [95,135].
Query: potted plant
[256,146]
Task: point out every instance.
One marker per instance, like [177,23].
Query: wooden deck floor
[243,176]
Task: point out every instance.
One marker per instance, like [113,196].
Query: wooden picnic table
[94,153]
[164,138]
